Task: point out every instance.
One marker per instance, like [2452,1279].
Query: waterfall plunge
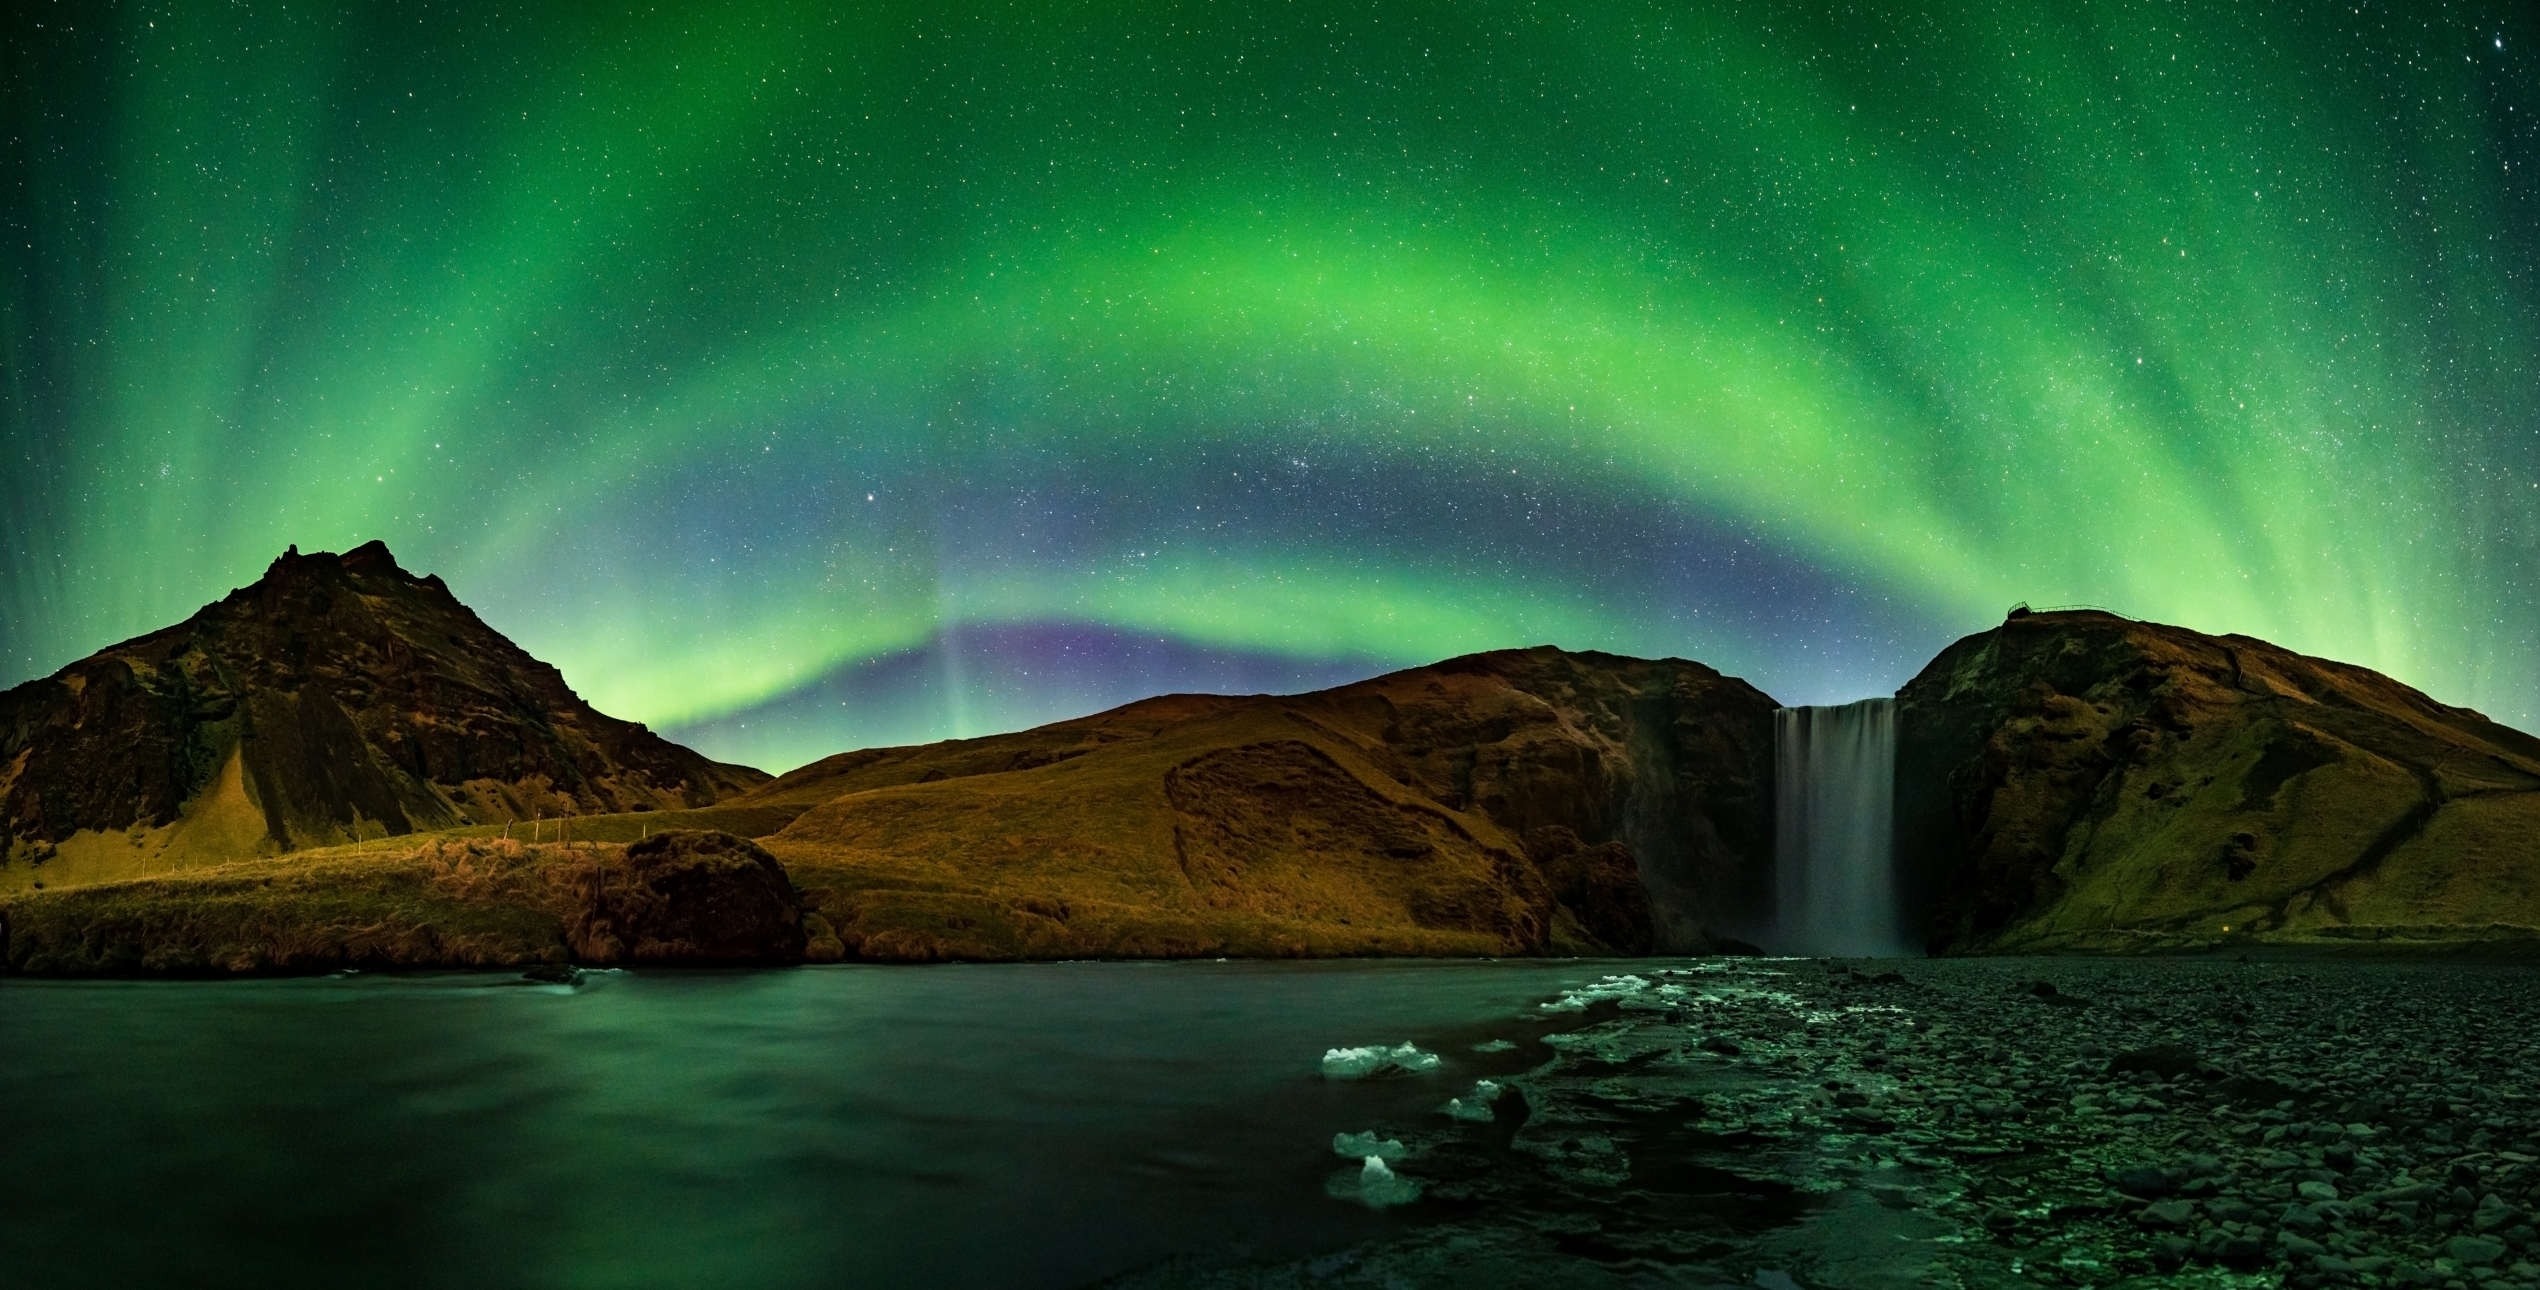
[1834,812]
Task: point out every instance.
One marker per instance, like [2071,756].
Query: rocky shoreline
[1985,1122]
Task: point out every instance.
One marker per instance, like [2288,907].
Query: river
[1022,1125]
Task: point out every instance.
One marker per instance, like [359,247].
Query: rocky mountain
[1515,802]
[2084,781]
[338,697]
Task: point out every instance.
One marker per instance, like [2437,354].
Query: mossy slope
[2081,780]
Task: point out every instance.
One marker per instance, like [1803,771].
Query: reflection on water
[1008,1125]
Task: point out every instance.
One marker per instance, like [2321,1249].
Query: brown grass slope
[337,698]
[1516,802]
[1521,802]
[2084,781]
[684,896]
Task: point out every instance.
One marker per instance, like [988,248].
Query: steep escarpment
[2080,780]
[337,697]
[1515,802]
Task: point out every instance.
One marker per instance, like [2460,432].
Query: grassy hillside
[2084,781]
[1516,803]
[1496,805]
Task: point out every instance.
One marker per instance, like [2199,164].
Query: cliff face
[2080,780]
[1513,802]
[337,697]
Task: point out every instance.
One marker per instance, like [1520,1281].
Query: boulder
[688,896]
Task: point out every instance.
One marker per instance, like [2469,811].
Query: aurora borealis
[798,377]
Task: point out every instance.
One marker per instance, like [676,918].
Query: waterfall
[1834,808]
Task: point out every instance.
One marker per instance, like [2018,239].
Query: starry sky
[799,377]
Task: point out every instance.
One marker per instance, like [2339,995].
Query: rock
[554,974]
[2045,992]
[688,896]
[1509,1111]
[2241,1251]
[1720,1044]
[2315,1191]
[2167,1214]
[2230,1209]
[2493,1213]
[2165,1061]
[2141,1180]
[2474,1251]
[2295,1244]
[820,941]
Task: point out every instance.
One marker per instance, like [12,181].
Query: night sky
[800,377]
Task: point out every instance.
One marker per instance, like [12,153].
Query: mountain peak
[370,557]
[337,697]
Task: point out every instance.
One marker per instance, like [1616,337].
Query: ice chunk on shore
[1475,1105]
[1368,1063]
[1612,987]
[1367,1146]
[1375,1187]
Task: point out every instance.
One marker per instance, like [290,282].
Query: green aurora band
[712,352]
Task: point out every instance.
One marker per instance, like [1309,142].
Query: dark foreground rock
[1815,1124]
[688,896]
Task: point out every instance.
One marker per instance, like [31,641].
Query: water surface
[1025,1125]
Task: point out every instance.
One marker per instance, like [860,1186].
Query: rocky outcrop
[690,896]
[1516,802]
[338,697]
[2080,780]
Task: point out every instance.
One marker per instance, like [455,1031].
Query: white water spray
[1834,809]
